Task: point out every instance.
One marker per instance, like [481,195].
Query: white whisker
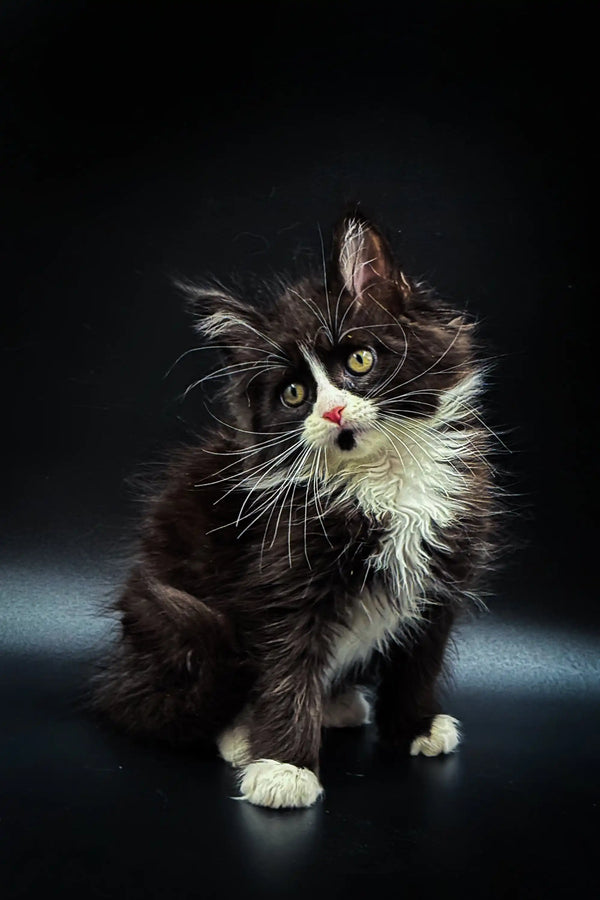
[247,479]
[243,430]
[314,309]
[253,484]
[238,369]
[470,410]
[392,437]
[433,364]
[230,347]
[325,285]
[430,449]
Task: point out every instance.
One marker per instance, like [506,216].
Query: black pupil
[359,358]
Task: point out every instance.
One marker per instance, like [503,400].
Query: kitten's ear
[363,255]
[216,312]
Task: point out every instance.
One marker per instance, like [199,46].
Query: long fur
[300,550]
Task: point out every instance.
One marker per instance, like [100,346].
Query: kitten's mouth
[346,439]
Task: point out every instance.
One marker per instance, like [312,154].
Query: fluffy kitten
[323,537]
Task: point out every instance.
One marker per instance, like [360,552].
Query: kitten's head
[338,364]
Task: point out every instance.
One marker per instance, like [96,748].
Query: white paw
[443,738]
[347,710]
[234,745]
[279,785]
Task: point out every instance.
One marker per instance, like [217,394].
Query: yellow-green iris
[294,394]
[360,362]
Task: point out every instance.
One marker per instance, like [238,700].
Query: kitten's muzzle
[345,437]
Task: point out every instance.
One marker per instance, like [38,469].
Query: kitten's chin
[346,440]
[353,444]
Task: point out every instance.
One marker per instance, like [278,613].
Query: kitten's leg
[407,711]
[285,738]
[234,741]
[347,709]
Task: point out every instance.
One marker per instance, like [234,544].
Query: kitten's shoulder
[196,467]
[182,496]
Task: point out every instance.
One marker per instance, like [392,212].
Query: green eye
[360,362]
[294,395]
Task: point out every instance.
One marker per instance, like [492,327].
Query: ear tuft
[363,255]
[214,309]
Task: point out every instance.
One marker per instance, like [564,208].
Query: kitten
[322,538]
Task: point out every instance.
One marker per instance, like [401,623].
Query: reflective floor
[86,813]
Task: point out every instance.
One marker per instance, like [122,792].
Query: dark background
[141,142]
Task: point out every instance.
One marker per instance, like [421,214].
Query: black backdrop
[146,141]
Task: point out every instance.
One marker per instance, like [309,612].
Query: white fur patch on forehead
[318,370]
[328,395]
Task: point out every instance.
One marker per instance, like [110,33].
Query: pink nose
[335,414]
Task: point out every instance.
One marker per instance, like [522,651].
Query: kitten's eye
[360,362]
[294,395]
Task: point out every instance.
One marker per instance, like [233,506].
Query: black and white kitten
[323,538]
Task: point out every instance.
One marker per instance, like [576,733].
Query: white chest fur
[415,493]
[372,622]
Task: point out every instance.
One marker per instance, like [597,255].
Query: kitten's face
[330,396]
[342,418]
[339,373]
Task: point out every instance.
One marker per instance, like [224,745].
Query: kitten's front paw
[278,785]
[347,710]
[234,745]
[443,737]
